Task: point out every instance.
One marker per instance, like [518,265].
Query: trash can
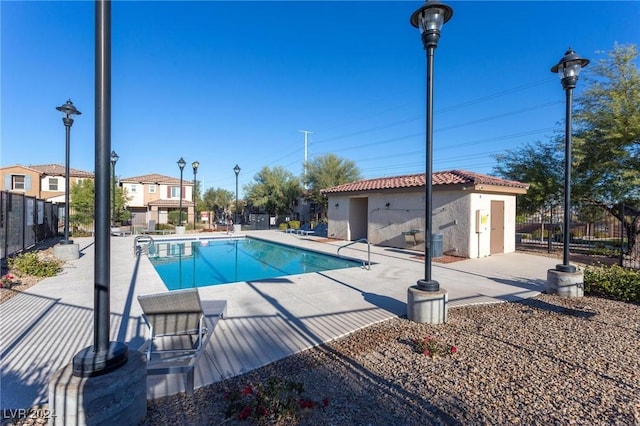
[436,245]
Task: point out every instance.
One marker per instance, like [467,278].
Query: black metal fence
[607,237]
[24,222]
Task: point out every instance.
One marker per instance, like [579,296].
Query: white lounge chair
[179,329]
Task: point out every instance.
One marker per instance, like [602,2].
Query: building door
[497,227]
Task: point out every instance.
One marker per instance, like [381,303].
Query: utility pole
[304,167]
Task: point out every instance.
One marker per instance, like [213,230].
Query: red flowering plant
[274,400]
[8,281]
[431,347]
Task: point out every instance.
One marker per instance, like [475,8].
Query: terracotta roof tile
[171,203]
[155,178]
[451,177]
[59,170]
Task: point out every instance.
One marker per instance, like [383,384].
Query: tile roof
[171,203]
[451,177]
[59,170]
[157,179]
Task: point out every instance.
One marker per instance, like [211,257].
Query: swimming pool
[199,263]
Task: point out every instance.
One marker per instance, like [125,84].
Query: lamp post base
[119,397]
[430,285]
[566,268]
[427,306]
[565,284]
[66,250]
[88,363]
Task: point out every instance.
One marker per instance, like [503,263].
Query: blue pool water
[184,264]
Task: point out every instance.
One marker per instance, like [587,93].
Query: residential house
[46,182]
[473,214]
[151,197]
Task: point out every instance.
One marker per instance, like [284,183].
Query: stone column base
[115,398]
[66,251]
[427,306]
[566,284]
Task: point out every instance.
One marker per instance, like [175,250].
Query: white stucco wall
[453,215]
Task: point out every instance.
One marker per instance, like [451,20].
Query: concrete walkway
[44,327]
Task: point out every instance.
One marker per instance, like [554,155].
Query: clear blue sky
[235,82]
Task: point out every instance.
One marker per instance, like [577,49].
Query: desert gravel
[541,361]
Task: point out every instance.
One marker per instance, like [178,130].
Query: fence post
[622,229]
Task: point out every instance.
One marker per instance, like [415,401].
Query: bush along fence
[607,236]
[24,222]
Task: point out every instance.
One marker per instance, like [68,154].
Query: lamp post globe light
[236,170]
[568,69]
[114,160]
[429,19]
[181,164]
[68,110]
[195,166]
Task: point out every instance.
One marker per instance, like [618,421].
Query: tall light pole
[181,164]
[236,170]
[429,19]
[114,160]
[568,69]
[69,110]
[104,356]
[195,166]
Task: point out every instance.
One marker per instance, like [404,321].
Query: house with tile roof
[473,215]
[45,181]
[151,198]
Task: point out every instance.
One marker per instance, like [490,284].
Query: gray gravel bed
[542,361]
[546,360]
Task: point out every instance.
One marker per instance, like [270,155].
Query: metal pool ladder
[361,240]
[139,245]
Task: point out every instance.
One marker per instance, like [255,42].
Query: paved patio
[45,326]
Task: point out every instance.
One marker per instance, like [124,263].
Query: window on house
[134,188]
[17,182]
[79,181]
[175,192]
[152,189]
[53,184]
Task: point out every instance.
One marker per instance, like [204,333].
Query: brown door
[497,227]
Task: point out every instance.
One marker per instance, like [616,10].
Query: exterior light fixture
[181,164]
[114,160]
[195,166]
[236,170]
[568,69]
[429,19]
[68,110]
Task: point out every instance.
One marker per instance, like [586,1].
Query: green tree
[324,172]
[121,200]
[541,166]
[606,144]
[607,136]
[216,200]
[82,204]
[275,190]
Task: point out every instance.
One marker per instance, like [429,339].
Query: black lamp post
[69,110]
[568,69]
[104,356]
[236,170]
[114,160]
[181,164]
[429,20]
[195,166]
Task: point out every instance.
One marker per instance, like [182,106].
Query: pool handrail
[361,240]
[138,247]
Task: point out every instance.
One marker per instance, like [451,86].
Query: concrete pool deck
[43,327]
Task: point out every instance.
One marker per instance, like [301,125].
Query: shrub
[613,281]
[294,224]
[272,401]
[31,264]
